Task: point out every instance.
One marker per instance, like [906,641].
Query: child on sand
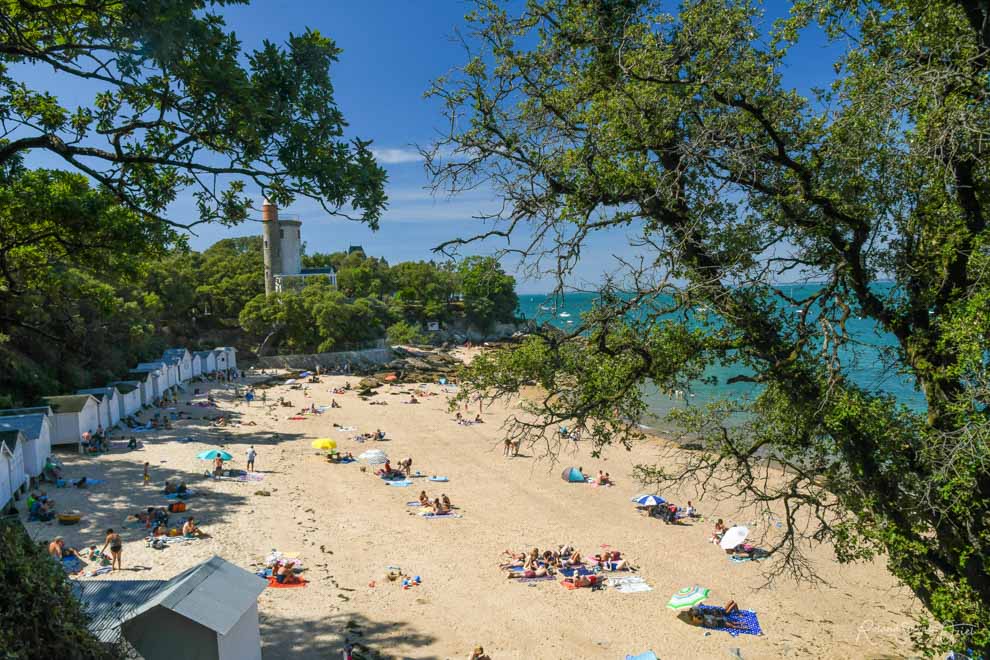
[147,473]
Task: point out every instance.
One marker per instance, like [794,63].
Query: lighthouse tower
[282,249]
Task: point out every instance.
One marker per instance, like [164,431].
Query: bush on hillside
[41,618]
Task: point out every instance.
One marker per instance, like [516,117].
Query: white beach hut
[185,362]
[108,404]
[159,377]
[13,479]
[208,359]
[209,611]
[37,430]
[143,378]
[128,396]
[73,415]
[196,362]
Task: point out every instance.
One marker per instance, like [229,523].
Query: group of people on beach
[439,506]
[534,564]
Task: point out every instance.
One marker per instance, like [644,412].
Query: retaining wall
[326,361]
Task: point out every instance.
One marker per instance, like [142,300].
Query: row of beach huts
[27,435]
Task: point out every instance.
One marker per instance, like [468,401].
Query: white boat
[563,315]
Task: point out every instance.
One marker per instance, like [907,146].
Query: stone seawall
[327,361]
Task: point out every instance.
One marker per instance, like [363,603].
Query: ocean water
[864,364]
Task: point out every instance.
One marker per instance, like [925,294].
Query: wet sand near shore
[348,527]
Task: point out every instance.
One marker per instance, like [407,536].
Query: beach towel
[542,578]
[440,479]
[297,418]
[71,481]
[400,484]
[275,584]
[347,429]
[579,570]
[632,584]
[72,564]
[181,496]
[347,460]
[647,655]
[251,476]
[570,585]
[746,618]
[440,515]
[413,504]
[100,571]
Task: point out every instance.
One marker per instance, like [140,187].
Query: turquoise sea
[864,363]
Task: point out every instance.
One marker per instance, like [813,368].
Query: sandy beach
[348,526]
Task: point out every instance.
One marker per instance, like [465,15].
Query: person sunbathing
[285,572]
[190,530]
[479,654]
[478,420]
[445,502]
[690,511]
[424,500]
[159,530]
[58,550]
[582,580]
[437,507]
[413,399]
[715,617]
[719,531]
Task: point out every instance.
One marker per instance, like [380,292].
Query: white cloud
[396,156]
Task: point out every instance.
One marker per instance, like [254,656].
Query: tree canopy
[595,116]
[177,104]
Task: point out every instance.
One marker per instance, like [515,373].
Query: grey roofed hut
[209,612]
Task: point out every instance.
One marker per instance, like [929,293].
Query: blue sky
[392,50]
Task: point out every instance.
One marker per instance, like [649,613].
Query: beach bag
[177,507]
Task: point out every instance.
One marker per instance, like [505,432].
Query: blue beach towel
[440,479]
[72,564]
[400,484]
[649,655]
[746,618]
[347,460]
[581,570]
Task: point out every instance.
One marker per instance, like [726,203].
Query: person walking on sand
[249,396]
[251,455]
[147,473]
[116,548]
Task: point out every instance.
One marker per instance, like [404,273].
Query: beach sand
[348,526]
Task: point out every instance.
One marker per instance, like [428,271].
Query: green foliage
[678,130]
[404,333]
[178,104]
[489,294]
[40,614]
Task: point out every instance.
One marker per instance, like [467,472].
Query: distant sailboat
[563,315]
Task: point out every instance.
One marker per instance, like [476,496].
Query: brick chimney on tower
[271,245]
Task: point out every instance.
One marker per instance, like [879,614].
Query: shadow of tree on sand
[303,637]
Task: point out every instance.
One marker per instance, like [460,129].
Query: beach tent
[572,475]
[208,612]
[128,396]
[11,465]
[37,430]
[185,362]
[74,414]
[108,404]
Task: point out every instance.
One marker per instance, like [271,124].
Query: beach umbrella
[688,597]
[324,443]
[212,454]
[373,457]
[649,500]
[733,537]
